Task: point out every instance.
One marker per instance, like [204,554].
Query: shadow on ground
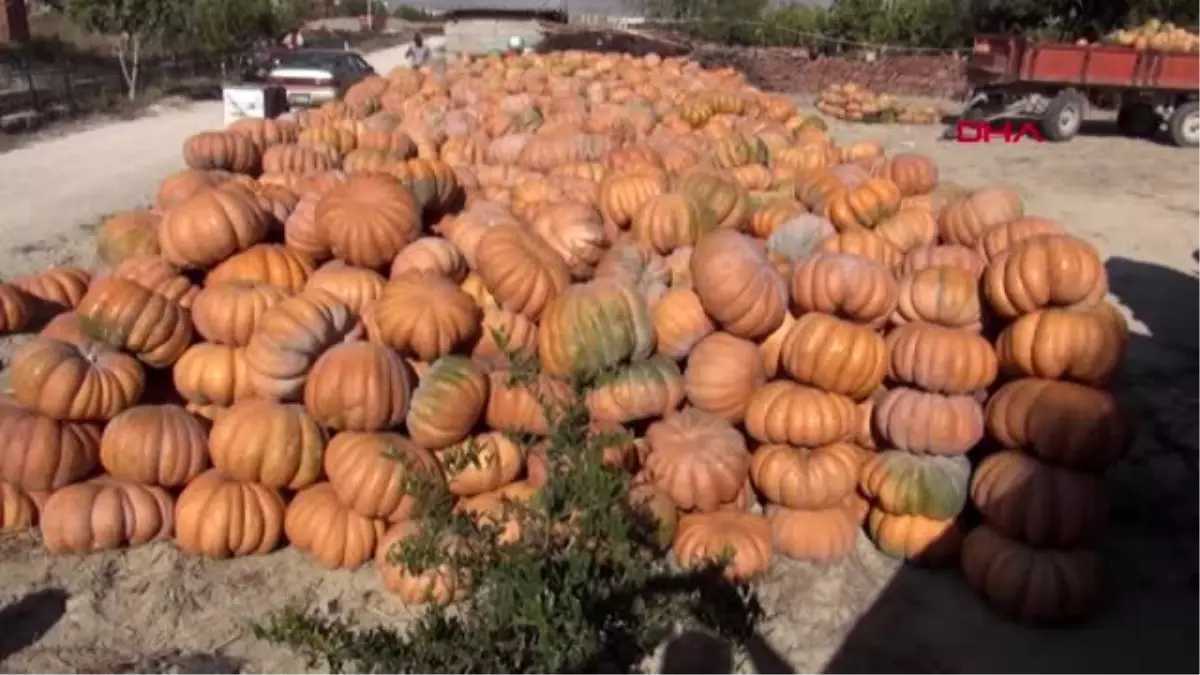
[926,620]
[25,621]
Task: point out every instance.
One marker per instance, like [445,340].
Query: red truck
[1011,76]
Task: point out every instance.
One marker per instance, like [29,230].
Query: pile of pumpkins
[800,337]
[852,103]
[1156,35]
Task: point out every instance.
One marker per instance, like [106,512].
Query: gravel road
[52,187]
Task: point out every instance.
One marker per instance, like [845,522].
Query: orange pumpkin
[520,269]
[834,355]
[697,458]
[55,290]
[16,309]
[702,537]
[723,373]
[904,484]
[504,335]
[221,150]
[219,517]
[372,473]
[128,316]
[105,513]
[423,314]
[670,220]
[942,360]
[213,374]
[18,511]
[272,264]
[441,585]
[718,194]
[909,228]
[38,453]
[431,254]
[784,412]
[368,219]
[227,313]
[622,194]
[519,406]
[358,386]
[1034,584]
[210,226]
[821,535]
[155,445]
[921,422]
[915,538]
[160,276]
[290,337]
[852,287]
[75,382]
[1039,503]
[1045,271]
[481,464]
[945,255]
[946,296]
[867,244]
[680,322]
[805,478]
[863,206]
[275,444]
[998,239]
[1062,423]
[965,219]
[126,234]
[316,522]
[913,174]
[637,391]
[737,285]
[1084,346]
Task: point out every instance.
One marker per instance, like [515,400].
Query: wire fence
[756,32]
[41,83]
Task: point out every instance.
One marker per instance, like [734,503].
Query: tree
[132,24]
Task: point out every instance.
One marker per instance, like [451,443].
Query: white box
[243,101]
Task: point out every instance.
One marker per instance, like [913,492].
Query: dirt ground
[152,610]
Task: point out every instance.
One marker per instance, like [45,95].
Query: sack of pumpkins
[800,337]
[853,103]
[1156,35]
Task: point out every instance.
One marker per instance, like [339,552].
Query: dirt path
[53,188]
[153,608]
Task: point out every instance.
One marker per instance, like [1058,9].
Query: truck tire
[1063,117]
[1138,120]
[1184,125]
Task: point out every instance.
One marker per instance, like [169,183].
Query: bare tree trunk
[129,53]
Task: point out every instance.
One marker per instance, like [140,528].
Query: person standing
[418,53]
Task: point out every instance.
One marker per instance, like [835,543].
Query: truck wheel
[1184,125]
[1138,120]
[1063,117]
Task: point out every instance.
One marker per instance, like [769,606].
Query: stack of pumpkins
[325,311]
[1042,493]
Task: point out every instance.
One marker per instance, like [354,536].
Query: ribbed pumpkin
[909,228]
[105,513]
[210,226]
[698,459]
[368,219]
[1045,271]
[944,255]
[221,150]
[1062,423]
[481,464]
[55,290]
[623,193]
[737,285]
[273,264]
[441,585]
[594,326]
[275,444]
[865,243]
[998,239]
[521,270]
[431,254]
[905,484]
[576,232]
[210,373]
[290,337]
[155,445]
[942,295]
[227,313]
[913,174]
[1081,345]
[723,373]
[76,382]
[834,355]
[720,195]
[218,517]
[785,412]
[447,403]
[668,221]
[965,219]
[821,535]
[942,360]
[358,386]
[805,478]
[701,537]
[849,286]
[518,338]
[128,316]
[372,473]
[337,537]
[425,315]
[863,206]
[916,539]
[126,234]
[640,390]
[38,453]
[927,423]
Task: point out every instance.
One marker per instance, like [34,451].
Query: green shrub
[594,596]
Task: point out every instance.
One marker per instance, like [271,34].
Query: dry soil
[150,609]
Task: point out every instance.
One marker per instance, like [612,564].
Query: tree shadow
[1145,538]
[25,621]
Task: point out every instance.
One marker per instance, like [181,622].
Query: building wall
[482,35]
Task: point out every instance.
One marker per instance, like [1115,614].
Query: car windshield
[309,61]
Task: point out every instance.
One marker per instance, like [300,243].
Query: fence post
[27,66]
[68,86]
